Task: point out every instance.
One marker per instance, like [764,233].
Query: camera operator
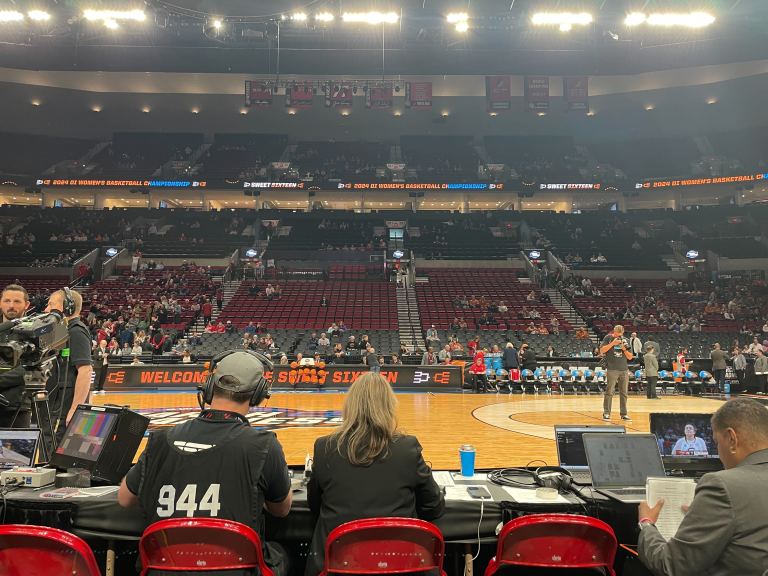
[70,381]
[14,302]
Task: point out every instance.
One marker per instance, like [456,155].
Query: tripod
[35,380]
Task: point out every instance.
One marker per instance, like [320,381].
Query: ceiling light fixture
[371,17]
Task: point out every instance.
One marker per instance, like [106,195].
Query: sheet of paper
[528,496]
[460,494]
[443,478]
[95,491]
[675,492]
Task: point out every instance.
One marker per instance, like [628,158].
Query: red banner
[537,93]
[498,93]
[379,96]
[258,93]
[338,95]
[418,95]
[576,92]
[299,96]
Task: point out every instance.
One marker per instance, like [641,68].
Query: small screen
[570,444]
[684,435]
[17,447]
[87,434]
[617,460]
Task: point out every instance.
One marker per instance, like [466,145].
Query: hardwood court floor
[505,430]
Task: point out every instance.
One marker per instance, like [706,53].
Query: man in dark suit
[725,530]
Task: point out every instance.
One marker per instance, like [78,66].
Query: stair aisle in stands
[569,312]
[408,318]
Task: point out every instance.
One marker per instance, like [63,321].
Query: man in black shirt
[217,465]
[615,349]
[70,382]
[14,302]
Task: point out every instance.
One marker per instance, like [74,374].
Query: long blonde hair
[370,420]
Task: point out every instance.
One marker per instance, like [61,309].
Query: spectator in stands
[395,360]
[755,346]
[338,356]
[544,298]
[278,292]
[531,297]
[211,328]
[207,311]
[367,468]
[230,328]
[403,350]
[723,531]
[136,361]
[550,352]
[502,308]
[269,292]
[454,324]
[136,348]
[324,302]
[351,344]
[582,333]
[429,358]
[432,338]
[444,356]
[250,329]
[219,298]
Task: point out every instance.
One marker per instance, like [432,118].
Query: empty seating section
[333,160]
[536,158]
[233,156]
[436,299]
[440,157]
[747,146]
[648,158]
[351,271]
[31,155]
[327,231]
[139,154]
[458,239]
[360,305]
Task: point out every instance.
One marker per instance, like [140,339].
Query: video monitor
[18,447]
[684,435]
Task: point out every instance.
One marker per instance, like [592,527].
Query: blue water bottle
[467,458]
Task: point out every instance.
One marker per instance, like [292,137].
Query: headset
[68,302]
[553,477]
[261,392]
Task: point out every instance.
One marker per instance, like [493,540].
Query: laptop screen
[570,445]
[618,460]
[18,447]
[684,435]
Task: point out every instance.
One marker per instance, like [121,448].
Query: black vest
[221,482]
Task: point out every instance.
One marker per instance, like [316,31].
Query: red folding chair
[201,545]
[384,546]
[42,551]
[555,541]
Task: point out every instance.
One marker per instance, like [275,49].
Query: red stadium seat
[42,551]
[555,541]
[201,545]
[384,546]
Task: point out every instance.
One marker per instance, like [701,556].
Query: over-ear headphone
[68,303]
[553,477]
[261,391]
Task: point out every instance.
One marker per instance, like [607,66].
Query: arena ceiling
[179,36]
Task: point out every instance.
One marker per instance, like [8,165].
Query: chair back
[42,551]
[555,541]
[384,546]
[201,545]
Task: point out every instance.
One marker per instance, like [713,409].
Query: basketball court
[506,430]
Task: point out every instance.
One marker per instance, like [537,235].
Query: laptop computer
[570,448]
[621,463]
[18,447]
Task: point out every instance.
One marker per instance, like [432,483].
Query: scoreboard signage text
[190,376]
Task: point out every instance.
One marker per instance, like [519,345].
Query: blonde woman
[368,468]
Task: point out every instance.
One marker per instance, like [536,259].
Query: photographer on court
[70,382]
[615,350]
[14,303]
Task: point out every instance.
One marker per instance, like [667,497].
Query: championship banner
[418,95]
[379,96]
[258,93]
[576,92]
[299,96]
[396,223]
[337,95]
[122,377]
[498,93]
[104,183]
[537,93]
